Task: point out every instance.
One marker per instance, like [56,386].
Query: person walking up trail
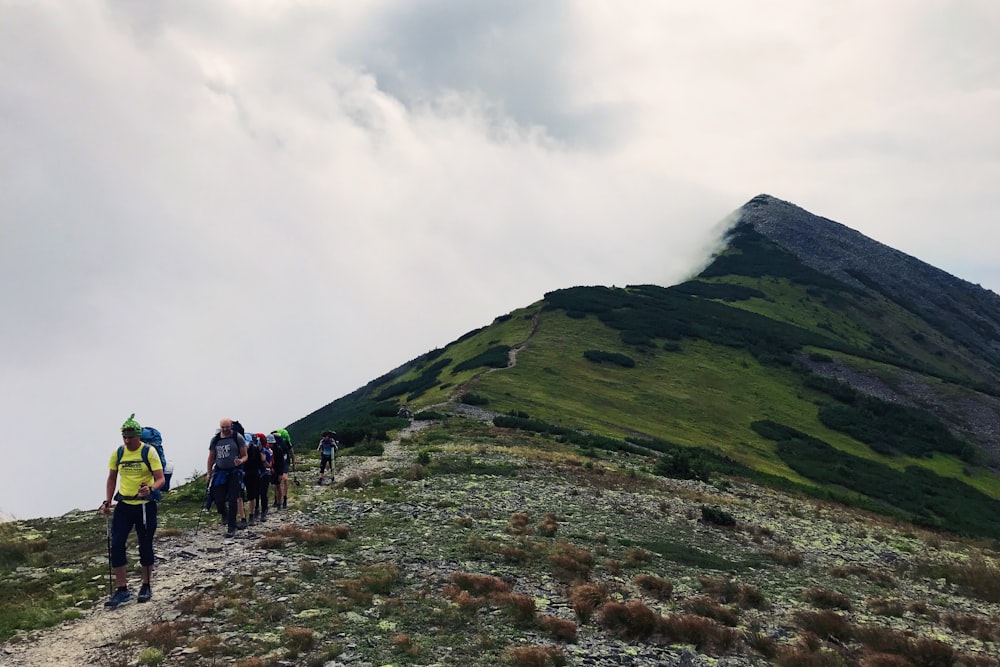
[138,475]
[284,458]
[327,449]
[226,452]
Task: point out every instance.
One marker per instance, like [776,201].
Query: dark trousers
[126,517]
[262,484]
[225,497]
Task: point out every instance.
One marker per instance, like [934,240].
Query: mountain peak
[959,308]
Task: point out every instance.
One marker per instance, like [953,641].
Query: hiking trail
[186,564]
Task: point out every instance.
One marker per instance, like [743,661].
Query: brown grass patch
[657,587]
[704,633]
[560,629]
[727,591]
[518,524]
[827,599]
[548,526]
[299,639]
[480,584]
[703,605]
[586,598]
[570,563]
[535,656]
[519,608]
[825,624]
[632,620]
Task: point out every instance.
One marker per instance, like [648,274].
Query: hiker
[139,478]
[251,477]
[284,458]
[226,452]
[266,465]
[327,449]
[404,413]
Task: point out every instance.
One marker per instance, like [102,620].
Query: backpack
[156,495]
[152,437]
[253,463]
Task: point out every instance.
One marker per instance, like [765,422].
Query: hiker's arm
[109,490]
[208,466]
[158,480]
[243,456]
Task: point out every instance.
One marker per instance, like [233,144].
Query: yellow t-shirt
[132,472]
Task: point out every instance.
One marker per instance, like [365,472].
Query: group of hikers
[240,470]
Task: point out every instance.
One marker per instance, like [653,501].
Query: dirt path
[186,564]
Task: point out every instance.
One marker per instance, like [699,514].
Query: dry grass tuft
[480,584]
[299,639]
[559,629]
[570,563]
[518,524]
[548,526]
[164,635]
[586,598]
[727,591]
[827,599]
[535,656]
[703,605]
[705,634]
[657,587]
[632,620]
[825,624]
[520,608]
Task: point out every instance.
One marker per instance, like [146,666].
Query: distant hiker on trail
[327,449]
[284,458]
[226,452]
[404,412]
[251,476]
[266,473]
[138,474]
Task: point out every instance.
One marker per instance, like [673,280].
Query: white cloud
[253,208]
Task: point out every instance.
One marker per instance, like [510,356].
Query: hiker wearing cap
[227,451]
[266,465]
[251,476]
[327,449]
[284,458]
[138,477]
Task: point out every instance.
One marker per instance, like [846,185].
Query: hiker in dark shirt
[226,453]
[284,458]
[138,475]
[251,476]
[327,449]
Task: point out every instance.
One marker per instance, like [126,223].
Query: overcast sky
[251,208]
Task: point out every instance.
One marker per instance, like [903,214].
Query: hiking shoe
[121,596]
[241,524]
[263,517]
[253,520]
[231,533]
[145,593]
[284,504]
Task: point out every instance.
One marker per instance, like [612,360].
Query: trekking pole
[111,573]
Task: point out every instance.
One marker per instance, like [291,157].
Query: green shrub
[717,516]
[600,357]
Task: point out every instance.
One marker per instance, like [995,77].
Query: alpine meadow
[792,458]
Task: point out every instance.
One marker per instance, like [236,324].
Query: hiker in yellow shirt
[136,470]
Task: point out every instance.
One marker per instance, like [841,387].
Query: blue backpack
[154,439]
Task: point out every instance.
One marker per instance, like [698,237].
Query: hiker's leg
[147,574]
[145,529]
[264,484]
[219,493]
[233,493]
[121,526]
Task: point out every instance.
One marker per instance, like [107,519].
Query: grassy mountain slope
[801,372]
